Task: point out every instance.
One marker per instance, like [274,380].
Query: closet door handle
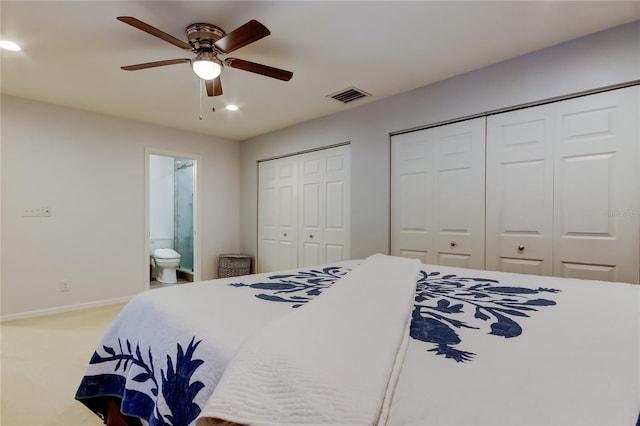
[453,244]
[521,248]
[285,235]
[311,236]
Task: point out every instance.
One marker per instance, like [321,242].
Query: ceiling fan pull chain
[200,97]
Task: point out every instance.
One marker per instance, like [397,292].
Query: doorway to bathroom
[171,218]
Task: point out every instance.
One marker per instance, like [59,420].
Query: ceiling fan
[208,41]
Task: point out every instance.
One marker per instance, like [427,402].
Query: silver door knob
[520,247]
[311,236]
[453,244]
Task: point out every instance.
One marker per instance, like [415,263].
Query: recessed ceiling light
[232,107]
[9,45]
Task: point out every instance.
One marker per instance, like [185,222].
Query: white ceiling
[73,50]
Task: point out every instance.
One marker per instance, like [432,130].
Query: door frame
[197,264]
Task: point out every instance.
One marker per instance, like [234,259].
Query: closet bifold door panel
[596,187]
[324,206]
[520,192]
[278,214]
[303,209]
[563,193]
[437,194]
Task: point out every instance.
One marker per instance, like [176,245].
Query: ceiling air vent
[349,94]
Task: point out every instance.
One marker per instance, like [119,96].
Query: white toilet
[167,261]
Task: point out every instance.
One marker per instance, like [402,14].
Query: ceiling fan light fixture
[9,45]
[206,66]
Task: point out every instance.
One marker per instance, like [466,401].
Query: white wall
[594,61]
[161,198]
[89,169]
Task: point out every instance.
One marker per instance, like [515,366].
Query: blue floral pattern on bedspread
[440,298]
[175,386]
[298,288]
[439,303]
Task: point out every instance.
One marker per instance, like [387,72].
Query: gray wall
[598,60]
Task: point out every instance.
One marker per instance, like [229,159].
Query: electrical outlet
[64,285]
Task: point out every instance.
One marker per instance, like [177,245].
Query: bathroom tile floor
[155,284]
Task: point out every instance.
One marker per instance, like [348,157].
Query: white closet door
[597,200]
[311,201]
[277,214]
[337,204]
[437,194]
[563,188]
[304,210]
[520,191]
[324,206]
[412,196]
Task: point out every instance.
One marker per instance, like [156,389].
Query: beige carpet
[42,362]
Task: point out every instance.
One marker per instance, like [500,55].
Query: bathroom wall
[89,168]
[161,201]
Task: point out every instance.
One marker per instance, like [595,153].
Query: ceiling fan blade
[155,64]
[246,34]
[259,69]
[214,87]
[154,31]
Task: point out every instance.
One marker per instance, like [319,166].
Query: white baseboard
[61,309]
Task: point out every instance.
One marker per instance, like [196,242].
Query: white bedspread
[334,362]
[576,363]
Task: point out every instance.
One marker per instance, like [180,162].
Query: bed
[384,340]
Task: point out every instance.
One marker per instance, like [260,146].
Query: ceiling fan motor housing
[202,36]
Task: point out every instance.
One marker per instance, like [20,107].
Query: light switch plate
[32,212]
